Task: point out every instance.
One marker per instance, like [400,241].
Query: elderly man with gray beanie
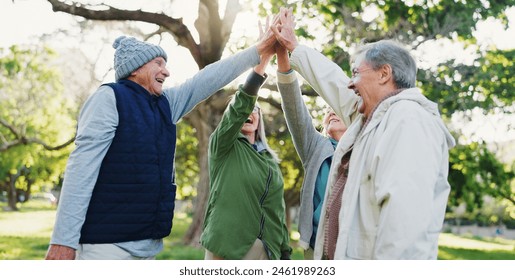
[118,193]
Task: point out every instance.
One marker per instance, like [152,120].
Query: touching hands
[284,29]
[277,38]
[267,40]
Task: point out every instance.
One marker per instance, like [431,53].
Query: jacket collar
[413,94]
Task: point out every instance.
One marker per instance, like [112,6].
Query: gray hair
[261,135]
[389,52]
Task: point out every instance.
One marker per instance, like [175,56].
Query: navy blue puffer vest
[134,195]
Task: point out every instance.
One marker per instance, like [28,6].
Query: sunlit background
[84,49]
[25,21]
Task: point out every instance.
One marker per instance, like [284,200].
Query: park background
[55,53]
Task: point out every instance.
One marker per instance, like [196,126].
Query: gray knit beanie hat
[131,54]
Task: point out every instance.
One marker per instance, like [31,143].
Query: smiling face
[371,84]
[333,125]
[251,125]
[365,84]
[152,75]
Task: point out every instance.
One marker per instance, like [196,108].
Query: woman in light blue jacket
[315,149]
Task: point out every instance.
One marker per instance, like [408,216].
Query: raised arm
[213,77]
[326,77]
[241,106]
[297,115]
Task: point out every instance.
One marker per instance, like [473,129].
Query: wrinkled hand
[267,52]
[284,29]
[267,40]
[60,252]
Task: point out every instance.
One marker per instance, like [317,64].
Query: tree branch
[270,100]
[9,145]
[23,140]
[232,9]
[48,147]
[10,127]
[174,26]
[27,141]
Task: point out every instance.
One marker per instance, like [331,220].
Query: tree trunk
[192,236]
[204,122]
[12,198]
[291,199]
[28,192]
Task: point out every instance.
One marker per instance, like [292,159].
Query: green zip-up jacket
[246,190]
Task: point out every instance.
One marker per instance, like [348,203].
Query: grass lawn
[24,235]
[453,247]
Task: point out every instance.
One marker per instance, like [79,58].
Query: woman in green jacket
[245,216]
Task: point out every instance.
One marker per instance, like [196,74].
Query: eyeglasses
[255,110]
[356,71]
[329,111]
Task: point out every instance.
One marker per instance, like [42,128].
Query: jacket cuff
[286,78]
[253,83]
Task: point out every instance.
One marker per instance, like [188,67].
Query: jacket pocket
[361,245]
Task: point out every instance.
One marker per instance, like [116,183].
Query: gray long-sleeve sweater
[312,147]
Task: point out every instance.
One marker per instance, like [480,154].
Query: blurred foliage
[474,171]
[186,161]
[32,106]
[488,83]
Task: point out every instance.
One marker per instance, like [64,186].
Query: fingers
[283,15]
[267,27]
[260,27]
[288,18]
[265,34]
[275,30]
[276,18]
[279,30]
[279,37]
